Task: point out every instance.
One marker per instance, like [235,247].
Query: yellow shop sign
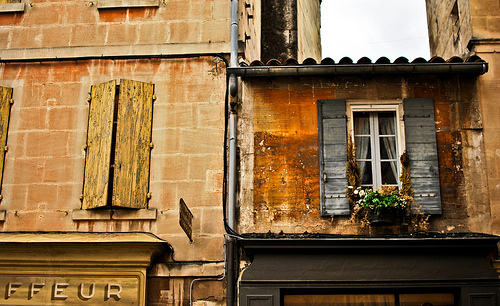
[85,290]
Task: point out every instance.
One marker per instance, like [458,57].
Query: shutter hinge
[151,145]
[148,195]
[89,98]
[416,116]
[324,177]
[11,101]
[154,98]
[335,117]
[424,195]
[6,148]
[336,196]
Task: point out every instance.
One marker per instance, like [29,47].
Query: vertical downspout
[233,94]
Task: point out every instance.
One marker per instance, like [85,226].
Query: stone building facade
[477,34]
[65,67]
[193,152]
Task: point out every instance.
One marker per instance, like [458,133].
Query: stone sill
[104,4]
[114,214]
[11,7]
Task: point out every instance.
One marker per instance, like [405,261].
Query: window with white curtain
[376,148]
[381,130]
[375,130]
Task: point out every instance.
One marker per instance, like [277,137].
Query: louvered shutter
[421,147]
[332,132]
[99,142]
[133,139]
[5,103]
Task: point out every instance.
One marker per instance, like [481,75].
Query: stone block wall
[44,166]
[449,27]
[49,24]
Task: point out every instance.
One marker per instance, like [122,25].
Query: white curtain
[362,127]
[387,127]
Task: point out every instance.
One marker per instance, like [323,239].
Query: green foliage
[352,173]
[380,200]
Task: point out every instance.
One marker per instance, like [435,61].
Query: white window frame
[380,106]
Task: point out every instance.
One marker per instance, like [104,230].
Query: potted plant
[380,207]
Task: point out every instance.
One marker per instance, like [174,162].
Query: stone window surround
[105,4]
[12,7]
[114,214]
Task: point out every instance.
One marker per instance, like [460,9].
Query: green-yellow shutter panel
[133,139]
[99,144]
[5,102]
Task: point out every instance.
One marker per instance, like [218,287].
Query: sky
[374,28]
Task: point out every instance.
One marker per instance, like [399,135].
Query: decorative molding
[114,214]
[11,7]
[103,4]
[2,215]
[86,52]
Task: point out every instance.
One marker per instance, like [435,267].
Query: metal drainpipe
[233,93]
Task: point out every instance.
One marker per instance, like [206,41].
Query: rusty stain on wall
[286,154]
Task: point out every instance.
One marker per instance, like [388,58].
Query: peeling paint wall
[279,150]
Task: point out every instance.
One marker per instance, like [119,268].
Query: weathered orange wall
[286,153]
[285,193]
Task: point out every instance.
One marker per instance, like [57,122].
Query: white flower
[362,193]
[356,191]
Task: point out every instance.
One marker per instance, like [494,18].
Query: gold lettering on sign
[11,288]
[116,294]
[78,291]
[58,290]
[83,296]
[34,289]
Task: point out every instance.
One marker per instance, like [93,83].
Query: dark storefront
[377,270]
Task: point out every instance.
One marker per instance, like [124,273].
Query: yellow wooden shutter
[133,138]
[9,1]
[5,102]
[99,143]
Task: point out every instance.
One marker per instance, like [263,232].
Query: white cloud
[390,28]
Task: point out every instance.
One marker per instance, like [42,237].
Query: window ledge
[11,7]
[103,4]
[114,214]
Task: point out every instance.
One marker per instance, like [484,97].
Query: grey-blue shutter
[421,147]
[332,130]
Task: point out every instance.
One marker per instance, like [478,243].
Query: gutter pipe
[231,222]
[473,68]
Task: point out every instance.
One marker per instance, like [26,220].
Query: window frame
[380,106]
